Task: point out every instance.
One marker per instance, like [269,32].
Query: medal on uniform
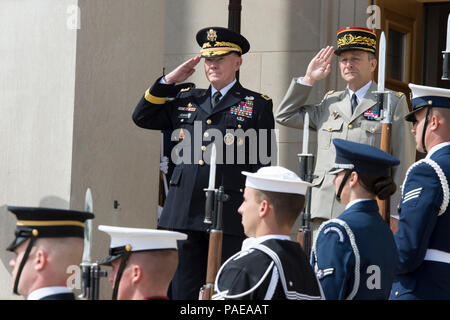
[228,139]
[371,114]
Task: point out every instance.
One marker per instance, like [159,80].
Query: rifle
[446,54]
[90,272]
[384,114]
[214,199]
[304,236]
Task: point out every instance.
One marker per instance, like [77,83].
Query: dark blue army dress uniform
[354,256]
[423,237]
[239,111]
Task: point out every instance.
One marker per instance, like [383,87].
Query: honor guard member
[354,255]
[350,114]
[224,113]
[47,242]
[423,239]
[270,265]
[143,261]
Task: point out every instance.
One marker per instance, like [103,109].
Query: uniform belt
[437,255]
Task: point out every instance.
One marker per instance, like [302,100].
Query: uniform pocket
[371,132]
[328,132]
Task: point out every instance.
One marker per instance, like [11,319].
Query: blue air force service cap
[424,96]
[47,223]
[361,158]
[138,239]
[276,179]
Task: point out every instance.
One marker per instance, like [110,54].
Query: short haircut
[287,206]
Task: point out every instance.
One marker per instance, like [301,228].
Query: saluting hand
[320,66]
[183,71]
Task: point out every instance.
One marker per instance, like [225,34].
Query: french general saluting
[229,115]
[350,114]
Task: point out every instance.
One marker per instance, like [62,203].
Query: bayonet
[446,63]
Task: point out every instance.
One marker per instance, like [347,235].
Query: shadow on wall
[8,225]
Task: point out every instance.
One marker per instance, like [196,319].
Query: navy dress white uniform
[35,223]
[423,239]
[191,115]
[269,267]
[354,255]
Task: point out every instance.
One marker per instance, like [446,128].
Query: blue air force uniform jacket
[354,256]
[423,237]
[238,148]
[274,269]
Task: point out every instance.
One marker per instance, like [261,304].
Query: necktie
[354,102]
[216,98]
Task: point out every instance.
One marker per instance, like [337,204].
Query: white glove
[164,165]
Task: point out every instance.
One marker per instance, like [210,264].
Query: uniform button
[373,130]
[396,293]
[241,190]
[182,120]
[206,134]
[208,121]
[203,148]
[350,126]
[329,129]
[239,126]
[201,162]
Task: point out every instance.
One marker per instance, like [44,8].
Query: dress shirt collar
[47,291]
[224,90]
[361,92]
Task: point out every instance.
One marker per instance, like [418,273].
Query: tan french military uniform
[332,118]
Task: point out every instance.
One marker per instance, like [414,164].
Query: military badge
[371,114]
[228,139]
[211,35]
[184,115]
[244,109]
[335,115]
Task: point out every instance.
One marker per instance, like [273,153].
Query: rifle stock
[304,235]
[215,242]
[385,145]
[214,262]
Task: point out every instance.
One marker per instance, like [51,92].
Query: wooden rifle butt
[214,262]
[385,145]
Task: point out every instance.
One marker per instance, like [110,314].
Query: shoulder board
[266,97]
[330,92]
[399,94]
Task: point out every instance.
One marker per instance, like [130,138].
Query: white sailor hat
[425,96]
[138,239]
[276,179]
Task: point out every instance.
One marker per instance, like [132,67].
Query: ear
[373,64]
[40,260]
[434,122]
[238,63]
[354,178]
[136,273]
[264,208]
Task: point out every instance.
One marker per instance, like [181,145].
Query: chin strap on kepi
[126,254]
[341,187]
[32,235]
